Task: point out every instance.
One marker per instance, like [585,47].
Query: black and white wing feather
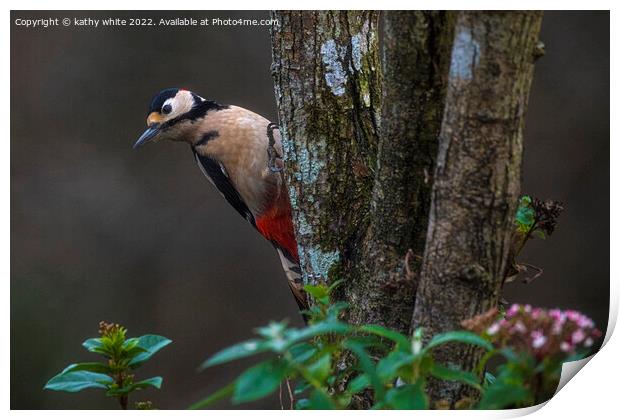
[216,173]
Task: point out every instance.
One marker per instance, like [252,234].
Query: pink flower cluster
[540,332]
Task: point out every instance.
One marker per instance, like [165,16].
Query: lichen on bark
[326,71]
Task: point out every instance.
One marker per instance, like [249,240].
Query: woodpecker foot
[271,150]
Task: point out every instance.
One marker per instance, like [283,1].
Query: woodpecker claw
[271,150]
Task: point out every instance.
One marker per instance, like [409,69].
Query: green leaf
[388,367]
[367,366]
[322,328]
[259,381]
[318,291]
[151,344]
[314,313]
[215,397]
[525,215]
[302,352]
[130,343]
[358,384]
[131,348]
[503,395]
[449,374]
[107,344]
[95,345]
[238,351]
[523,360]
[301,386]
[273,330]
[132,353]
[400,339]
[154,382]
[334,310]
[459,336]
[89,366]
[78,380]
[320,401]
[407,397]
[321,368]
[302,404]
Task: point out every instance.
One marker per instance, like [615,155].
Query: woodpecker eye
[166,109]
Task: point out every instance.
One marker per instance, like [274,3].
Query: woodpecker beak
[153,122]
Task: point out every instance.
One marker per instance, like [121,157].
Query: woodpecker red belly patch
[276,225]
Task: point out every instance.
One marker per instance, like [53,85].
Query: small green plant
[336,365]
[124,355]
[533,218]
[531,343]
[537,217]
[312,356]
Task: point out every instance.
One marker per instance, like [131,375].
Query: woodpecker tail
[293,274]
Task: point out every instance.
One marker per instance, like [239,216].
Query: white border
[593,394]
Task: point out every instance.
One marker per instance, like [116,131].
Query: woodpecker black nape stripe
[199,110]
[210,135]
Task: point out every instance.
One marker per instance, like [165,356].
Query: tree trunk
[477,178]
[416,51]
[327,77]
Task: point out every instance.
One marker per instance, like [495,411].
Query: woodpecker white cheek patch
[181,103]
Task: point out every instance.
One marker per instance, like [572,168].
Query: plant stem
[123,401]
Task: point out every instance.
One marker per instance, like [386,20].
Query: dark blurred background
[103,232]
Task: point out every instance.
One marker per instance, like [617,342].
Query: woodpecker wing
[216,173]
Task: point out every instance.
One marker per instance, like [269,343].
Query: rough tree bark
[327,75]
[415,61]
[477,178]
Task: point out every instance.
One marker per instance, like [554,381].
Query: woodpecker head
[170,111]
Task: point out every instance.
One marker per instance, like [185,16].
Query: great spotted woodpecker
[240,153]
